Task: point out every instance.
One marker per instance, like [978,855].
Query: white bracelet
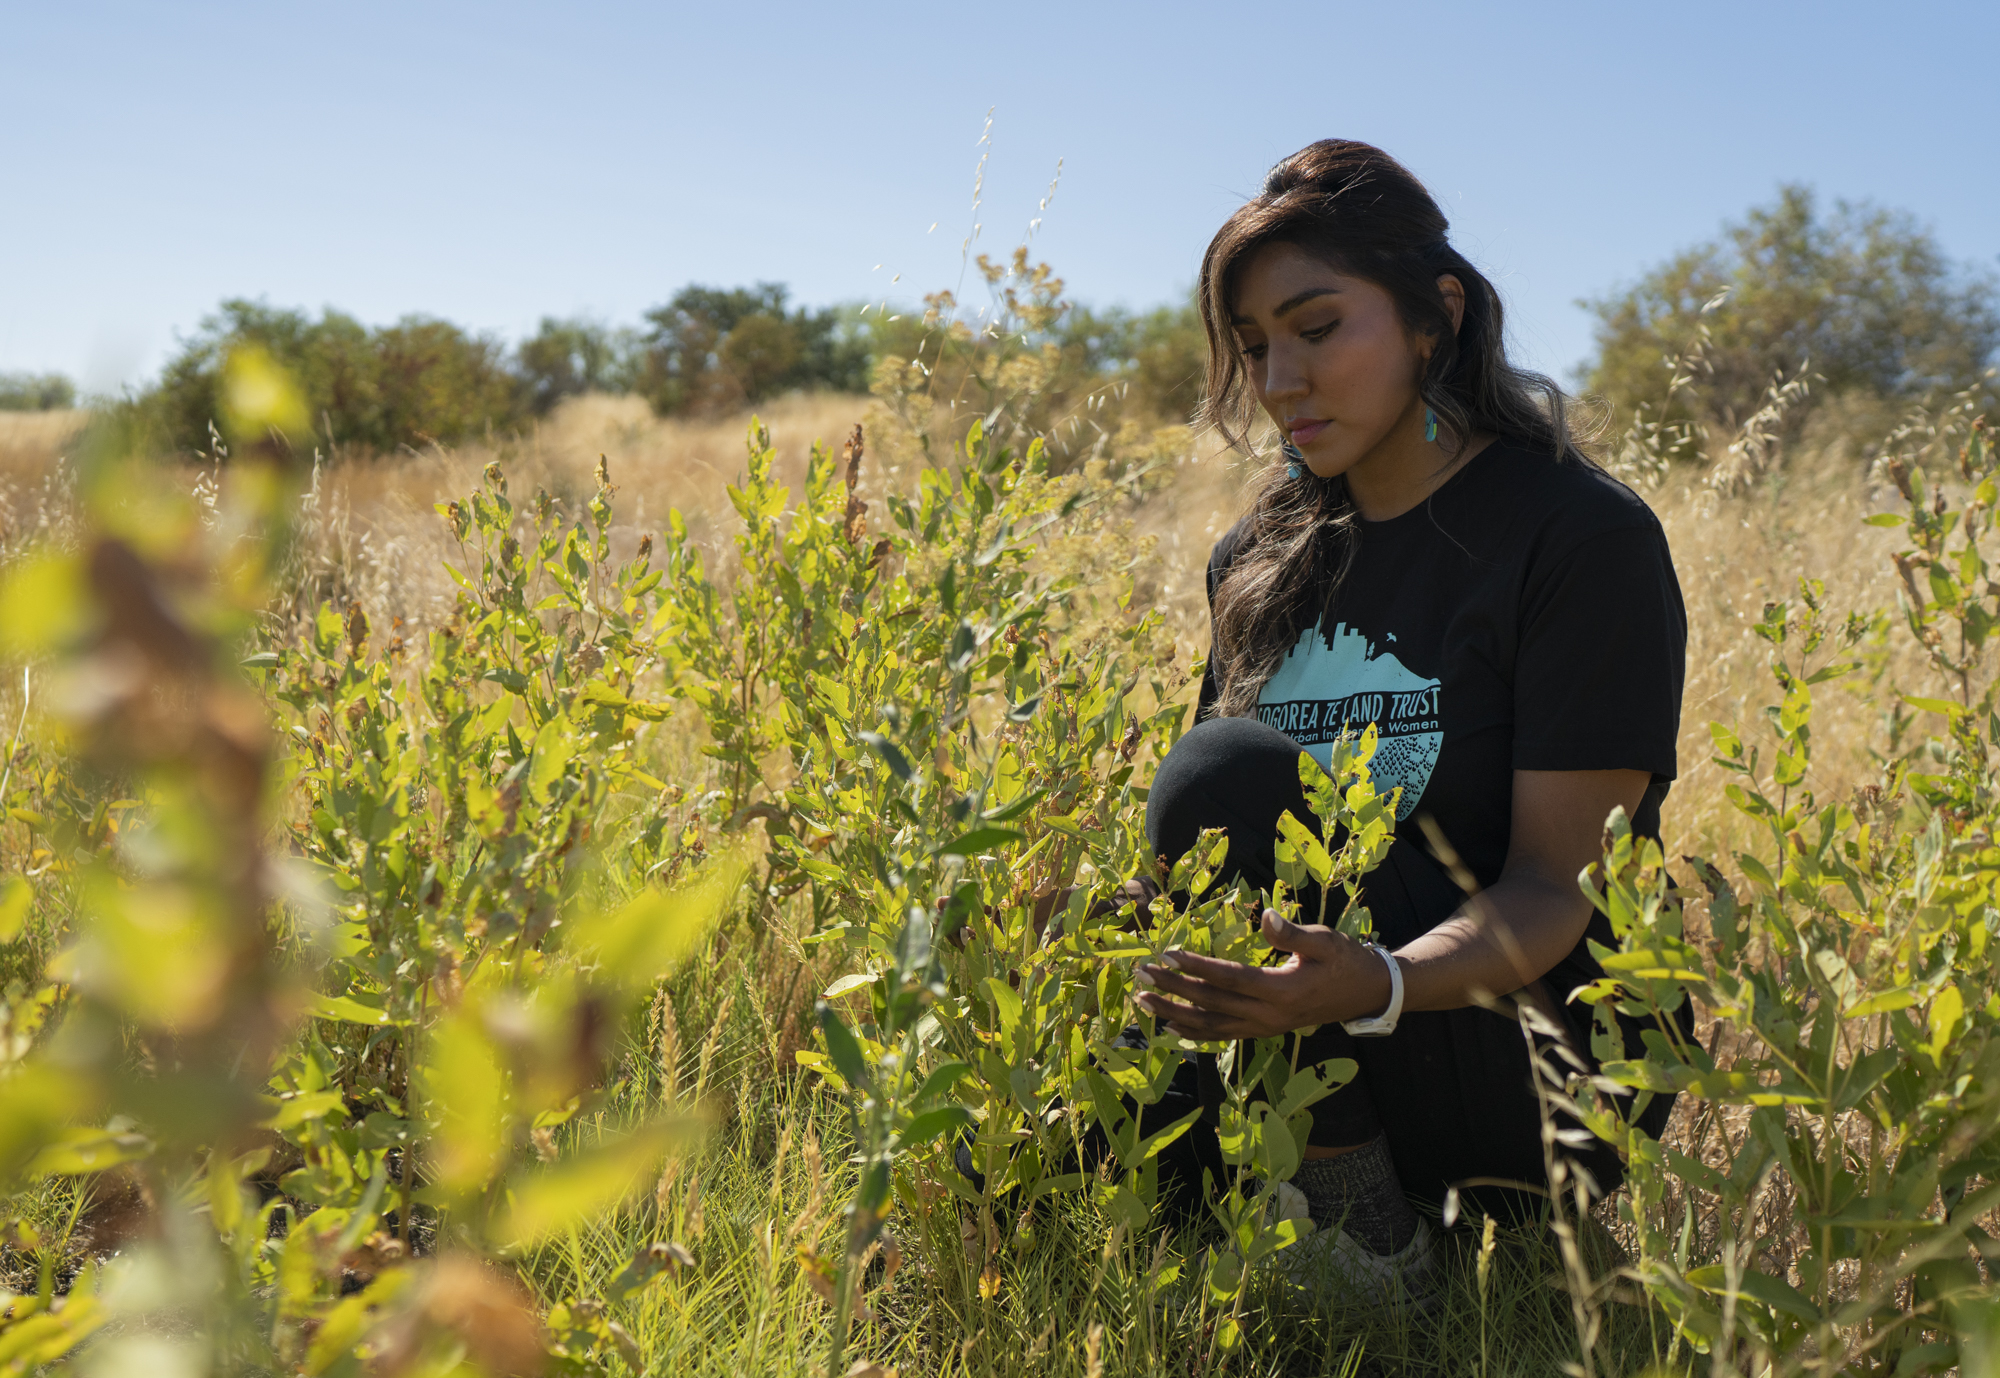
[1375,1026]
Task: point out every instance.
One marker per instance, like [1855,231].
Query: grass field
[722,1036]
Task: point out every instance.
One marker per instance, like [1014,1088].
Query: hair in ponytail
[1362,213]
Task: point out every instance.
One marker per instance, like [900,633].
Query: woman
[1435,557]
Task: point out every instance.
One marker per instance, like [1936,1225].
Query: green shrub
[567,358]
[1085,388]
[707,350]
[1830,1206]
[963,733]
[1160,355]
[711,349]
[413,383]
[1865,300]
[36,392]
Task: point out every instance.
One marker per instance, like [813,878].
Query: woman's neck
[1405,469]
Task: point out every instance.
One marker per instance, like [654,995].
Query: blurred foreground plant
[176,1052]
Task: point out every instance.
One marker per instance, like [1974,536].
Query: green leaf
[1015,808]
[1887,519]
[602,695]
[1313,1084]
[1308,847]
[1944,706]
[891,754]
[463,1090]
[1946,1012]
[1006,1005]
[294,1111]
[1640,1074]
[979,840]
[1653,966]
[1225,1275]
[842,1047]
[552,750]
[548,1201]
[1321,791]
[346,1009]
[263,660]
[1864,1075]
[44,603]
[88,1150]
[848,983]
[654,932]
[1124,1207]
[1151,1145]
[16,897]
[491,719]
[1882,1002]
[940,1081]
[1775,1293]
[933,1123]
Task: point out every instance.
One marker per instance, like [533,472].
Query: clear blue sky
[496,162]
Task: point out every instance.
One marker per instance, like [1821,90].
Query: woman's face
[1329,359]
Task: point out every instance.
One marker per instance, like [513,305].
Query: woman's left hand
[1327,979]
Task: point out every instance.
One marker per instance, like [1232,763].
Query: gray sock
[1360,1193]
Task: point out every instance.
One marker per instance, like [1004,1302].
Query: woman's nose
[1285,374]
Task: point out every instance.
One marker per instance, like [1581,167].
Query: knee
[1214,778]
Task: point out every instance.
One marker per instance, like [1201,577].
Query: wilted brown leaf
[493,1315]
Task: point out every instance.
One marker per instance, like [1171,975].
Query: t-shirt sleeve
[1602,658]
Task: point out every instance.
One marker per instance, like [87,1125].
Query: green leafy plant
[1830,1204]
[941,733]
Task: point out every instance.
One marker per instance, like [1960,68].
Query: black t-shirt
[1525,617]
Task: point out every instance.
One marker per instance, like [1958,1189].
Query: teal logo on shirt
[1331,682]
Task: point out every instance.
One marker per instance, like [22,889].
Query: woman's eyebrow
[1290,303]
[1301,298]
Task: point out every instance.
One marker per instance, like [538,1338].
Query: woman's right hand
[1328,979]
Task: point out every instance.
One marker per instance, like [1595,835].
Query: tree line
[707,351]
[36,392]
[1861,301]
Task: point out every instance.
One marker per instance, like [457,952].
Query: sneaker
[1330,1258]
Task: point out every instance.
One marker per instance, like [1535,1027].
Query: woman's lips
[1303,432]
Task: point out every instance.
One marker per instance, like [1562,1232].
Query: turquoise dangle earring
[1430,426]
[1295,460]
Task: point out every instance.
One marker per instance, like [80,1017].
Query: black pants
[1452,1089]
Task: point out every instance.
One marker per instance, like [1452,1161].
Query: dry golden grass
[1733,556]
[372,535]
[30,441]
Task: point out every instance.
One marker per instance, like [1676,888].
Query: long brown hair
[1362,213]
